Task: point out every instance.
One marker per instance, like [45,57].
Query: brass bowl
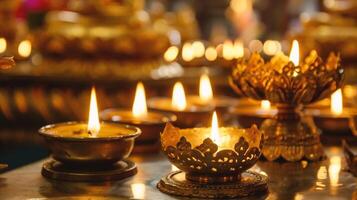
[202,160]
[89,151]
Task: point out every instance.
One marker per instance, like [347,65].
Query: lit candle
[211,54]
[93,126]
[337,102]
[171,53]
[215,130]
[187,52]
[198,49]
[3,45]
[295,55]
[206,93]
[238,49]
[24,48]
[139,106]
[228,50]
[179,97]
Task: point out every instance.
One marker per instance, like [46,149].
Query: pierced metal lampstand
[289,135]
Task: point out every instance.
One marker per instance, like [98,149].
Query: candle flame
[139,107]
[334,170]
[187,52]
[265,105]
[25,48]
[228,50]
[179,97]
[93,120]
[171,53]
[215,130]
[198,49]
[211,54]
[294,53]
[337,102]
[238,49]
[3,45]
[206,93]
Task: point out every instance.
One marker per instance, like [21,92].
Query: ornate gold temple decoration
[209,165]
[289,135]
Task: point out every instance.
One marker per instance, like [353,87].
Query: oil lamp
[289,83]
[212,162]
[333,119]
[151,123]
[90,151]
[189,113]
[247,115]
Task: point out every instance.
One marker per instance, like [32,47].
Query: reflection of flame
[138,190]
[211,54]
[265,105]
[334,170]
[3,45]
[294,53]
[171,53]
[228,50]
[198,49]
[215,130]
[238,49]
[139,106]
[24,48]
[187,52]
[337,102]
[179,97]
[93,121]
[206,93]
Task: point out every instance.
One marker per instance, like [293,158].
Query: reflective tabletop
[328,179]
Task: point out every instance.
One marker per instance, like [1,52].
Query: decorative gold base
[58,171]
[291,137]
[250,184]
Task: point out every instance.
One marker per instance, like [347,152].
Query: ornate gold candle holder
[288,85]
[212,166]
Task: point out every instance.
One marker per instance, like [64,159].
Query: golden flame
[211,54]
[3,45]
[238,49]
[215,130]
[138,190]
[187,52]
[139,107]
[228,50]
[265,105]
[294,53]
[198,49]
[93,119]
[178,97]
[171,53]
[337,102]
[25,48]
[206,93]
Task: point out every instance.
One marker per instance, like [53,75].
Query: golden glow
[215,130]
[238,49]
[198,49]
[3,45]
[138,190]
[241,6]
[271,47]
[139,106]
[294,53]
[25,48]
[171,53]
[93,120]
[334,170]
[228,50]
[265,105]
[206,93]
[178,97]
[211,54]
[337,102]
[187,52]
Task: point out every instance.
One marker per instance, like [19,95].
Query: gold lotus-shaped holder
[202,160]
[289,135]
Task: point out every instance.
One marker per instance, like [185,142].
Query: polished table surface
[327,179]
